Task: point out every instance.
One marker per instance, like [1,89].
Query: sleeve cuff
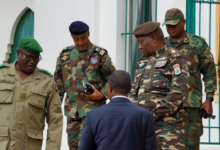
[209,94]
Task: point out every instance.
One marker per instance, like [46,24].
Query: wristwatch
[210,98]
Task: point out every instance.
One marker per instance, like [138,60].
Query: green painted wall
[25,28]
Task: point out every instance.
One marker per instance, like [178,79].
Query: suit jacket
[118,125]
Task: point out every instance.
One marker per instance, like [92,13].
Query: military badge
[177,70]
[65,59]
[56,87]
[210,55]
[141,65]
[93,60]
[160,64]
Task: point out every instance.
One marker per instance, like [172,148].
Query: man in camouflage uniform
[161,85]
[82,61]
[28,96]
[198,53]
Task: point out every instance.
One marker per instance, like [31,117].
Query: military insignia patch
[210,55]
[177,70]
[141,65]
[65,59]
[93,60]
[56,87]
[160,64]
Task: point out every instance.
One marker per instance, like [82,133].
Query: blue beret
[78,28]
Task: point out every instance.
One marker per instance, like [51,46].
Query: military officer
[197,51]
[82,61]
[28,96]
[161,85]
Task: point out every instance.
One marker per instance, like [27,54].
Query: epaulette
[46,71]
[200,37]
[174,53]
[68,48]
[101,51]
[4,65]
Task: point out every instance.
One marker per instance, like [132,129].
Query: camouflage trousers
[170,137]
[194,129]
[74,131]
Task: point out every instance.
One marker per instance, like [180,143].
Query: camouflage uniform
[93,65]
[161,86]
[24,105]
[219,68]
[198,53]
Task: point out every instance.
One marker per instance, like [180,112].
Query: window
[25,28]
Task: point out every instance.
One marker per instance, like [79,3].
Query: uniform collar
[184,40]
[157,53]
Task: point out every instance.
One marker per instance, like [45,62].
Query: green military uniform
[93,65]
[161,86]
[198,53]
[24,105]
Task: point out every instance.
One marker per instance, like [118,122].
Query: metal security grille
[25,28]
[191,26]
[136,12]
[140,11]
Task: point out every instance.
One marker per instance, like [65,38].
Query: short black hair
[120,82]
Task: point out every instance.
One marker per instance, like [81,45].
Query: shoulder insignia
[200,37]
[46,71]
[67,48]
[174,52]
[101,51]
[49,73]
[4,65]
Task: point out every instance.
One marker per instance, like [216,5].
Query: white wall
[10,13]
[51,28]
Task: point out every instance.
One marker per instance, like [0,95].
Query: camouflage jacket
[198,53]
[93,65]
[24,105]
[219,68]
[161,83]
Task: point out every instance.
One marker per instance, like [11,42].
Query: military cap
[146,28]
[173,16]
[78,28]
[30,45]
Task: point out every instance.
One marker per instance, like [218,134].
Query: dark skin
[150,44]
[23,67]
[96,95]
[178,32]
[82,41]
[112,93]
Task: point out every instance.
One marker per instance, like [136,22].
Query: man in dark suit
[118,125]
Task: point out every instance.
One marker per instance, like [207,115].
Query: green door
[25,28]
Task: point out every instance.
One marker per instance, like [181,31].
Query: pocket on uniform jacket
[161,78]
[38,97]
[35,134]
[4,138]
[6,93]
